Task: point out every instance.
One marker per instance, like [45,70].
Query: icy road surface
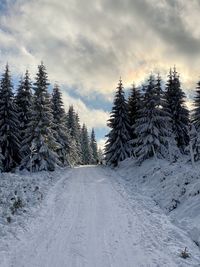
[90,221]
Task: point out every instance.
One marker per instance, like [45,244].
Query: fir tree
[73,126]
[134,104]
[94,148]
[9,125]
[59,126]
[175,106]
[196,111]
[85,146]
[151,126]
[100,155]
[43,143]
[117,146]
[194,143]
[24,103]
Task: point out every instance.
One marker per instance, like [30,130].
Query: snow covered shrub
[16,205]
[184,254]
[174,204]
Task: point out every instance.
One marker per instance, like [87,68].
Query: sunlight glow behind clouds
[88,44]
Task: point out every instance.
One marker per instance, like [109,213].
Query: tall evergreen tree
[59,126]
[94,148]
[73,126]
[85,146]
[43,143]
[175,106]
[194,143]
[24,101]
[151,126]
[134,104]
[9,124]
[196,111]
[117,146]
[100,155]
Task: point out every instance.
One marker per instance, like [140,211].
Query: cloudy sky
[87,45]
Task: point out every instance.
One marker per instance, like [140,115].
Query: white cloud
[96,118]
[101,143]
[90,44]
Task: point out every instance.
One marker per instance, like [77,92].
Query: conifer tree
[175,106]
[85,146]
[94,148]
[134,104]
[117,146]
[24,101]
[100,155]
[194,143]
[9,125]
[59,126]
[196,111]
[151,126]
[43,143]
[73,126]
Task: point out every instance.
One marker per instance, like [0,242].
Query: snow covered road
[89,221]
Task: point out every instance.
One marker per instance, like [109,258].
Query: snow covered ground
[92,218]
[21,197]
[174,187]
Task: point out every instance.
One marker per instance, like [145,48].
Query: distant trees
[85,146]
[35,131]
[94,148]
[159,122]
[73,125]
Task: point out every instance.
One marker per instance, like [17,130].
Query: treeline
[35,131]
[153,122]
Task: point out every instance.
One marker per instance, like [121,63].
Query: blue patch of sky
[5,5]
[92,101]
[100,133]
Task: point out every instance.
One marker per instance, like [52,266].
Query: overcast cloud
[87,45]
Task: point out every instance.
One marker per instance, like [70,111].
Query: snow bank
[174,187]
[21,196]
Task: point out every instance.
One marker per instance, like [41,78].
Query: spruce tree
[100,155]
[43,143]
[196,111]
[175,106]
[117,146]
[24,101]
[59,126]
[9,124]
[151,126]
[94,148]
[73,127]
[85,146]
[134,104]
[194,143]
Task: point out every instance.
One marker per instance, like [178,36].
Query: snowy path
[89,221]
